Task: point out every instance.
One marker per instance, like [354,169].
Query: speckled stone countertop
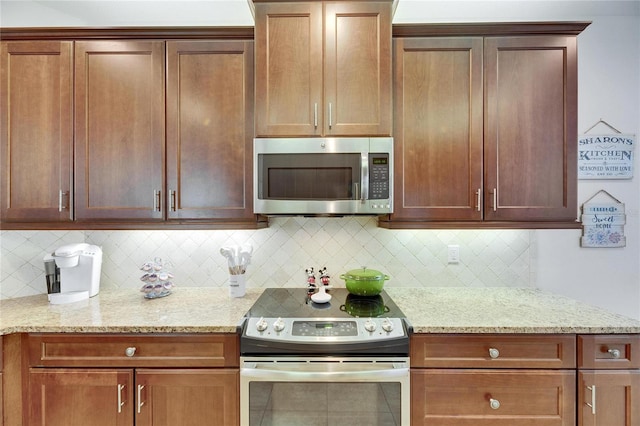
[208,310]
[504,310]
[186,310]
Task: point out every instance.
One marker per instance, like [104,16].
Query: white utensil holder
[237,285]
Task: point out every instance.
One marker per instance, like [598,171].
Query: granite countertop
[504,310]
[210,310]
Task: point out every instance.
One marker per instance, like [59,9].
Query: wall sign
[603,222]
[605,156]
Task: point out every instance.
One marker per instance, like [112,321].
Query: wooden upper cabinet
[438,128]
[36,130]
[289,69]
[119,129]
[357,67]
[485,127]
[323,69]
[209,129]
[530,128]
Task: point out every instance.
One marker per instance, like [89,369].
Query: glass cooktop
[297,303]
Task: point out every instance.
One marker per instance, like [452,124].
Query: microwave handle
[364,177]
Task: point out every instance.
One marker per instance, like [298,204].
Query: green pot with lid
[364,282]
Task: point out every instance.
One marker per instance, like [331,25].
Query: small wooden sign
[605,156]
[603,222]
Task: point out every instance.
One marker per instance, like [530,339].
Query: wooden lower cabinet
[187,397]
[162,397]
[492,397]
[61,397]
[493,379]
[130,379]
[609,398]
[609,380]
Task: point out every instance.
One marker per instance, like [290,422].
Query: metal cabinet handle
[593,399]
[615,353]
[315,115]
[131,351]
[478,198]
[494,353]
[61,204]
[120,401]
[172,200]
[330,117]
[140,402]
[494,403]
[157,200]
[495,199]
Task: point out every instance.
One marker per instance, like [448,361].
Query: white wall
[609,88]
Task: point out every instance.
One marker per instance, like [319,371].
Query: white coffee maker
[75,275]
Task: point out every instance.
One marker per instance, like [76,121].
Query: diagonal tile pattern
[281,253]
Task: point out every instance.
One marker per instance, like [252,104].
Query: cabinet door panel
[187,397]
[36,130]
[63,397]
[289,69]
[119,129]
[357,68]
[530,128]
[438,130]
[209,129]
[490,397]
[608,398]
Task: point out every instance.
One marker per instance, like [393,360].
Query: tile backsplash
[412,258]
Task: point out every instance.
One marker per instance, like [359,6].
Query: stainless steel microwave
[323,176]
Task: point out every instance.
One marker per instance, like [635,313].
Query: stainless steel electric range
[347,357]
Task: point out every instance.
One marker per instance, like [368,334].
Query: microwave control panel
[378,176]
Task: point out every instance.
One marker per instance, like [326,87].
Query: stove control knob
[387,325]
[278,325]
[370,326]
[262,325]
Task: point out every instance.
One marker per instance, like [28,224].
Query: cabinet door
[210,130]
[493,398]
[63,397]
[530,128]
[187,397]
[357,69]
[438,129]
[288,39]
[609,398]
[119,119]
[36,130]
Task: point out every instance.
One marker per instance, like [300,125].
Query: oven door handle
[263,373]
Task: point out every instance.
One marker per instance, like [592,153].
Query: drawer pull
[615,353]
[593,399]
[140,402]
[120,402]
[494,403]
[494,353]
[131,351]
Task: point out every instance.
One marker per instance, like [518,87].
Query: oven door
[324,390]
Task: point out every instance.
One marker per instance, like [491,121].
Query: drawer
[610,351]
[493,351]
[114,350]
[493,397]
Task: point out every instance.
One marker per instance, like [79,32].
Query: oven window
[309,176]
[300,403]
